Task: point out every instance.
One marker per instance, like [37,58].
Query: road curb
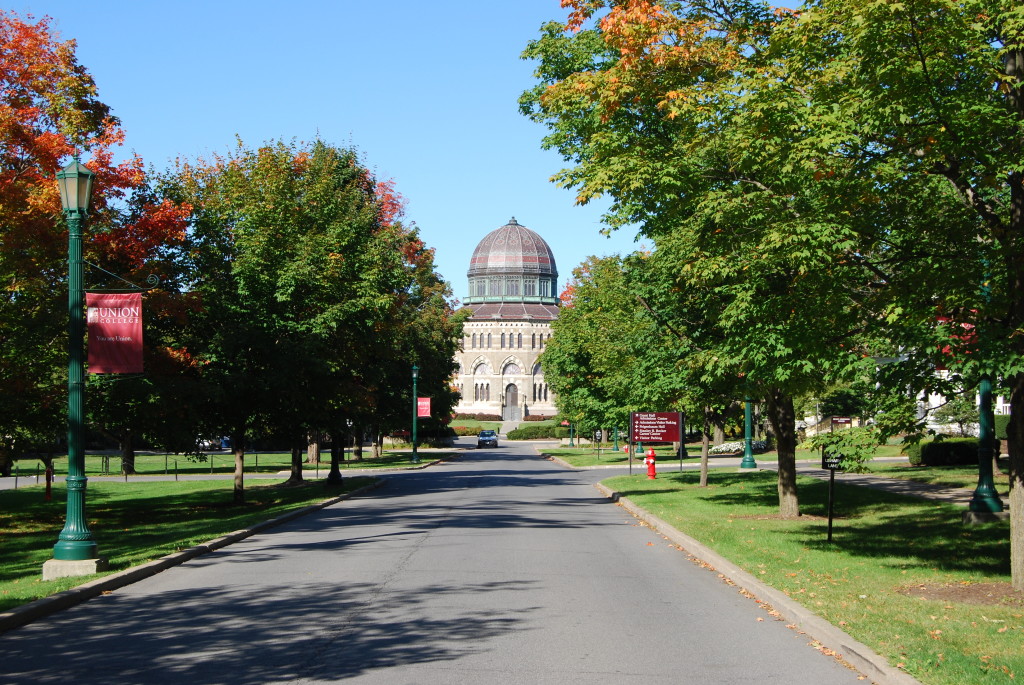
[40,608]
[855,653]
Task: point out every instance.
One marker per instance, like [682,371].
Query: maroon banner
[422,407]
[115,332]
[655,426]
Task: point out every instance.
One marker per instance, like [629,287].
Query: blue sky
[426,91]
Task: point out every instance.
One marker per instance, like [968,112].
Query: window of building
[529,287]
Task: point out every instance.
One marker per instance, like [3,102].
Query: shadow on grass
[893,530]
[128,519]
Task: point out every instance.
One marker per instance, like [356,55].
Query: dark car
[487,439]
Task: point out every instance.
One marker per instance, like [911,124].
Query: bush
[734,447]
[949,452]
[464,431]
[479,417]
[536,417]
[538,432]
[913,452]
[1001,423]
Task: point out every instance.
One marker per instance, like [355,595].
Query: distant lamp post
[748,429]
[75,551]
[571,443]
[415,412]
[985,499]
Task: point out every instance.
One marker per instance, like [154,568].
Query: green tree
[928,93]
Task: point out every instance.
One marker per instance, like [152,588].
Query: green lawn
[883,544]
[960,476]
[133,523]
[218,463]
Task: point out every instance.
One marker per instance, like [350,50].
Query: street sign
[831,460]
[655,426]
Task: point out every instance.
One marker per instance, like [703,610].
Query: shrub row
[463,431]
[737,446]
[538,432]
[479,417]
[945,452]
[536,417]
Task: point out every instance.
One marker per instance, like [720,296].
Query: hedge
[479,417]
[1002,421]
[535,432]
[946,452]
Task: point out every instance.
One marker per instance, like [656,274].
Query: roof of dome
[513,248]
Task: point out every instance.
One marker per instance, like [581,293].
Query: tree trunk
[238,449]
[313,448]
[295,476]
[357,443]
[1015,442]
[783,418]
[127,453]
[378,445]
[719,434]
[705,447]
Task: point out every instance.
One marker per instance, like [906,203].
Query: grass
[883,544]
[216,463]
[958,476]
[479,425]
[133,523]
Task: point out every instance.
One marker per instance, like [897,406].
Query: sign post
[663,426]
[833,462]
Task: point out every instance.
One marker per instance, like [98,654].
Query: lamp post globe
[75,543]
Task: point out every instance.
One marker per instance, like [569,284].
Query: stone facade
[513,280]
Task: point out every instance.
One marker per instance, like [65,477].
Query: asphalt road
[497,567]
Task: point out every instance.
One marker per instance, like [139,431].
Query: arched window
[502,341]
[488,341]
[533,340]
[545,392]
[519,341]
[474,341]
[488,392]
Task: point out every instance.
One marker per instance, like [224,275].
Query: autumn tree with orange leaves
[49,111]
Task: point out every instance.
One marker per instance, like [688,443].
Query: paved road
[497,567]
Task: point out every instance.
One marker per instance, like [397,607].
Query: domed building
[513,285]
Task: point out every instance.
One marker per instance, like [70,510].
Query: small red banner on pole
[115,332]
[422,407]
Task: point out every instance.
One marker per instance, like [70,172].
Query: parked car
[487,439]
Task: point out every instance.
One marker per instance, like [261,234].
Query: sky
[426,91]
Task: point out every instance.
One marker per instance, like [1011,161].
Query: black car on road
[487,439]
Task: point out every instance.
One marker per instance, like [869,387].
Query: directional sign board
[831,460]
[655,426]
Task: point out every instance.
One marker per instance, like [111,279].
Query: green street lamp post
[985,498]
[571,443]
[748,429]
[75,552]
[415,412]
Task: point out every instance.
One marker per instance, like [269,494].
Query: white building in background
[513,294]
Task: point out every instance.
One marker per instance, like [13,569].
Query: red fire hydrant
[652,470]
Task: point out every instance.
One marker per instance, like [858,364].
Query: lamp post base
[60,568]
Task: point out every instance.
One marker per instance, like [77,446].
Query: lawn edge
[40,608]
[856,654]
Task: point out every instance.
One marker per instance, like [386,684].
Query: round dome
[513,249]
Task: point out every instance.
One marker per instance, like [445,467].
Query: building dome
[513,274]
[513,249]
